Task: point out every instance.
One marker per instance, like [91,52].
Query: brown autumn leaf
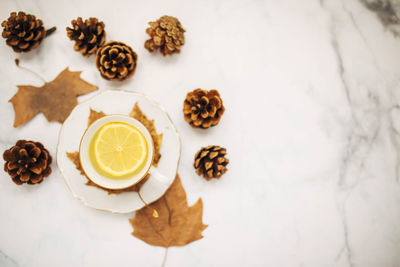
[177,224]
[149,124]
[74,157]
[133,188]
[54,99]
[94,116]
[137,114]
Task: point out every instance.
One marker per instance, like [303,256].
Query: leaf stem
[50,31]
[155,213]
[165,257]
[142,199]
[31,71]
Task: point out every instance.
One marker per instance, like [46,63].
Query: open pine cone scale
[23,32]
[210,162]
[88,35]
[27,162]
[166,34]
[203,108]
[116,61]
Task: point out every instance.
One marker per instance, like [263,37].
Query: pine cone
[88,35]
[203,108]
[167,34]
[116,61]
[27,162]
[23,32]
[211,162]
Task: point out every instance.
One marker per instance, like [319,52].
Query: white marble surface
[312,130]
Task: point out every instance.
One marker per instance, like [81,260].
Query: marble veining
[312,130]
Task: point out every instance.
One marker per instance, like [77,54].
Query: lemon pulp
[119,149]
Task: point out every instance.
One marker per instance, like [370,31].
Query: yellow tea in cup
[118,150]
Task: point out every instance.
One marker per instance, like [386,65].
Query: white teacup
[105,181]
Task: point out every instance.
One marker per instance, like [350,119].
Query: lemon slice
[120,148]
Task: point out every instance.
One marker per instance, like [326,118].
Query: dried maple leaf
[94,116]
[74,157]
[157,138]
[137,113]
[177,224]
[133,188]
[54,99]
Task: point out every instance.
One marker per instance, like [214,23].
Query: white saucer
[118,102]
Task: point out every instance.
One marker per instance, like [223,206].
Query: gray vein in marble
[349,152]
[394,134]
[356,144]
[6,260]
[385,9]
[345,161]
[388,12]
[357,27]
[346,246]
[372,97]
[339,59]
[359,140]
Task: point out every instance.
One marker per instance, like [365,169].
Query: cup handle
[158,176]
